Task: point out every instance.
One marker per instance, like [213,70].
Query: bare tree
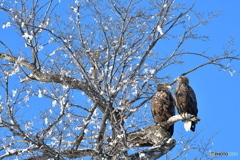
[198,147]
[87,71]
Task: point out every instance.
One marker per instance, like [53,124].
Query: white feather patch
[187,125]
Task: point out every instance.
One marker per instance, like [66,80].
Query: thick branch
[72,83]
[152,135]
[81,153]
[15,60]
[157,137]
[155,152]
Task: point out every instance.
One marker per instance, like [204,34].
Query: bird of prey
[185,101]
[163,105]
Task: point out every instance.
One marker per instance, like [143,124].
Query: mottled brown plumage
[185,99]
[162,105]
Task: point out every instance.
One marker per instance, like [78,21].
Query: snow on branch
[72,83]
[152,135]
[156,151]
[157,137]
[13,59]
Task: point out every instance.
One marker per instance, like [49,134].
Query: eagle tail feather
[193,126]
[187,125]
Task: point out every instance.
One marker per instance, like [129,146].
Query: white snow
[188,17]
[15,70]
[74,9]
[152,71]
[46,120]
[76,2]
[26,98]
[187,147]
[27,36]
[10,151]
[232,72]
[142,155]
[54,52]
[14,92]
[85,131]
[8,24]
[44,24]
[120,136]
[135,92]
[40,48]
[22,24]
[28,125]
[40,94]
[91,70]
[165,5]
[159,29]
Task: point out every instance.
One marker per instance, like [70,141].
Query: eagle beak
[176,79]
[169,87]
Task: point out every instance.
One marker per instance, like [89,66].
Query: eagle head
[163,86]
[182,79]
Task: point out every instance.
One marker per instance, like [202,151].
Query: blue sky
[217,91]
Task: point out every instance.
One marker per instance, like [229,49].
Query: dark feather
[162,106]
[185,99]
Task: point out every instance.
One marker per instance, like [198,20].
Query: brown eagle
[163,105]
[185,101]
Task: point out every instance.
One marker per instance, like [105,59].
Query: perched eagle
[163,105]
[185,101]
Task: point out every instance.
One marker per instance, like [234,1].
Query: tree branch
[152,135]
[70,82]
[213,61]
[80,137]
[156,151]
[70,154]
[157,137]
[16,60]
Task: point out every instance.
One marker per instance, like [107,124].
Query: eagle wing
[186,102]
[192,102]
[163,108]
